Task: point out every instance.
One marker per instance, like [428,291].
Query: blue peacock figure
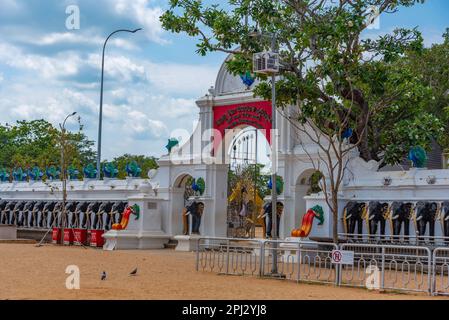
[418,157]
[36,174]
[279,184]
[53,173]
[19,175]
[90,172]
[4,175]
[110,170]
[133,170]
[247,79]
[199,186]
[72,173]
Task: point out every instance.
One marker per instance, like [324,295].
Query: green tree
[327,66]
[346,87]
[432,66]
[37,143]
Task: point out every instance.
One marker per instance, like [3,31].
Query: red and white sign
[343,257]
[254,114]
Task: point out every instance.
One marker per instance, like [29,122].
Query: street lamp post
[274,223]
[101,99]
[64,175]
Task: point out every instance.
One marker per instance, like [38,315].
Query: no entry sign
[343,257]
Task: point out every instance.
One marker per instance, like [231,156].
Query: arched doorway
[182,192]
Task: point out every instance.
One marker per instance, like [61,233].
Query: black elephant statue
[70,209]
[23,215]
[34,213]
[426,213]
[56,216]
[98,221]
[401,215]
[353,216]
[80,211]
[378,212]
[86,217]
[3,205]
[46,215]
[14,214]
[445,219]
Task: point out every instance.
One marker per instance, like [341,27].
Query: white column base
[132,240]
[187,243]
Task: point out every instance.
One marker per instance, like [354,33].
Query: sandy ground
[28,272]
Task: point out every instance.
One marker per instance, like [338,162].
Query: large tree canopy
[329,67]
[37,143]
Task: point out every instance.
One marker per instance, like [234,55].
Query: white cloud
[65,64]
[145,16]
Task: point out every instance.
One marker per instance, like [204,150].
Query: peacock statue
[247,79]
[133,170]
[35,174]
[199,186]
[172,142]
[90,172]
[110,170]
[72,173]
[53,173]
[4,175]
[279,184]
[418,157]
[19,175]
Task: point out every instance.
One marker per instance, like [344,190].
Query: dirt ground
[28,272]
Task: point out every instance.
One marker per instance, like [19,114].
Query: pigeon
[103,276]
[134,272]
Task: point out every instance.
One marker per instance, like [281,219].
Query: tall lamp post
[64,174]
[273,53]
[101,99]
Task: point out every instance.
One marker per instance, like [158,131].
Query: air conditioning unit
[266,63]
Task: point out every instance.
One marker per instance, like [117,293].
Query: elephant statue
[45,215]
[98,221]
[23,215]
[401,215]
[56,216]
[86,217]
[14,214]
[80,211]
[3,205]
[70,209]
[354,214]
[444,219]
[34,213]
[378,213]
[426,213]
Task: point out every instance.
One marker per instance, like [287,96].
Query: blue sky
[152,77]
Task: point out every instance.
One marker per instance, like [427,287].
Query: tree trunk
[335,216]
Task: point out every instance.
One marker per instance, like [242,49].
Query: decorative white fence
[405,268]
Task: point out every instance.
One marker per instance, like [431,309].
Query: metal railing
[386,267]
[440,267]
[396,240]
[375,266]
[228,256]
[303,261]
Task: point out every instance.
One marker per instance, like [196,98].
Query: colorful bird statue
[247,79]
[418,157]
[171,144]
[133,170]
[279,184]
